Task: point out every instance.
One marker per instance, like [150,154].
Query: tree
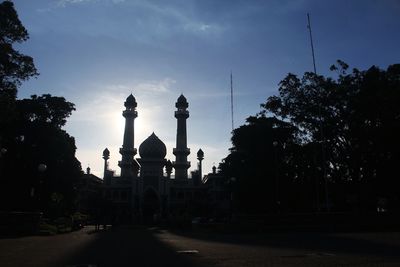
[14,66]
[257,148]
[31,130]
[340,139]
[354,119]
[41,140]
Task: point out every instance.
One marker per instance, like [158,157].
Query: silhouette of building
[89,189]
[146,190]
[219,194]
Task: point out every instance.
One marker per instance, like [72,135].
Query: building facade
[146,190]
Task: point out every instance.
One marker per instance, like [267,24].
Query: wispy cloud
[162,86]
[180,18]
[64,3]
[156,86]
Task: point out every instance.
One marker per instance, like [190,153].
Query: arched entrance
[151,206]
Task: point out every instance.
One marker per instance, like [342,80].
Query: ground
[143,246]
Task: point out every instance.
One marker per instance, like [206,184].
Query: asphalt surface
[143,246]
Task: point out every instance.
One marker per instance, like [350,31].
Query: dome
[181,102]
[153,148]
[130,102]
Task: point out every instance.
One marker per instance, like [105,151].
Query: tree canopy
[39,139]
[15,67]
[31,133]
[343,143]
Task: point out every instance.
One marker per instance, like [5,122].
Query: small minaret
[168,168]
[106,156]
[128,164]
[200,157]
[181,151]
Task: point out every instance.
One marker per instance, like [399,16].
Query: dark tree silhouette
[257,148]
[356,116]
[40,140]
[31,133]
[347,126]
[14,66]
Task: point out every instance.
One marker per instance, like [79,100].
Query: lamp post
[41,169]
[3,151]
[232,180]
[277,201]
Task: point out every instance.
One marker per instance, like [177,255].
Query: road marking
[82,265]
[318,254]
[189,251]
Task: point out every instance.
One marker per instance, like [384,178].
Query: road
[140,246]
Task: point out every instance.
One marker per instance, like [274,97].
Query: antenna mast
[232,101]
[321,127]
[312,45]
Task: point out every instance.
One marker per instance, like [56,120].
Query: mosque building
[146,190]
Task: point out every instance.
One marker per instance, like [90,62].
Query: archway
[151,206]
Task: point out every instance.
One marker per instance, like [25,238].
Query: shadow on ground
[128,246]
[378,244]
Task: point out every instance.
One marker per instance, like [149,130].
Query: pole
[320,122]
[232,101]
[312,44]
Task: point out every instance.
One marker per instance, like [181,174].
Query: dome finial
[130,102]
[181,102]
[200,154]
[106,154]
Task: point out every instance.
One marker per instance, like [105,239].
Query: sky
[97,52]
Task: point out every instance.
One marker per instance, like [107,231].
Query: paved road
[130,246]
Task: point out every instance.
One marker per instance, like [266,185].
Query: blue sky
[96,52]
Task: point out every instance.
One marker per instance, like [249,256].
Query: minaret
[106,157]
[129,166]
[181,151]
[200,157]
[168,168]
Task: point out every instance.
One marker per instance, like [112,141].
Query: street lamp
[41,169]
[277,201]
[3,151]
[232,180]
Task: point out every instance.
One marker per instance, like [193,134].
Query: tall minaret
[181,151]
[128,164]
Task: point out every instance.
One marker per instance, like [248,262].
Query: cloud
[156,86]
[171,18]
[64,3]
[199,27]
[162,86]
